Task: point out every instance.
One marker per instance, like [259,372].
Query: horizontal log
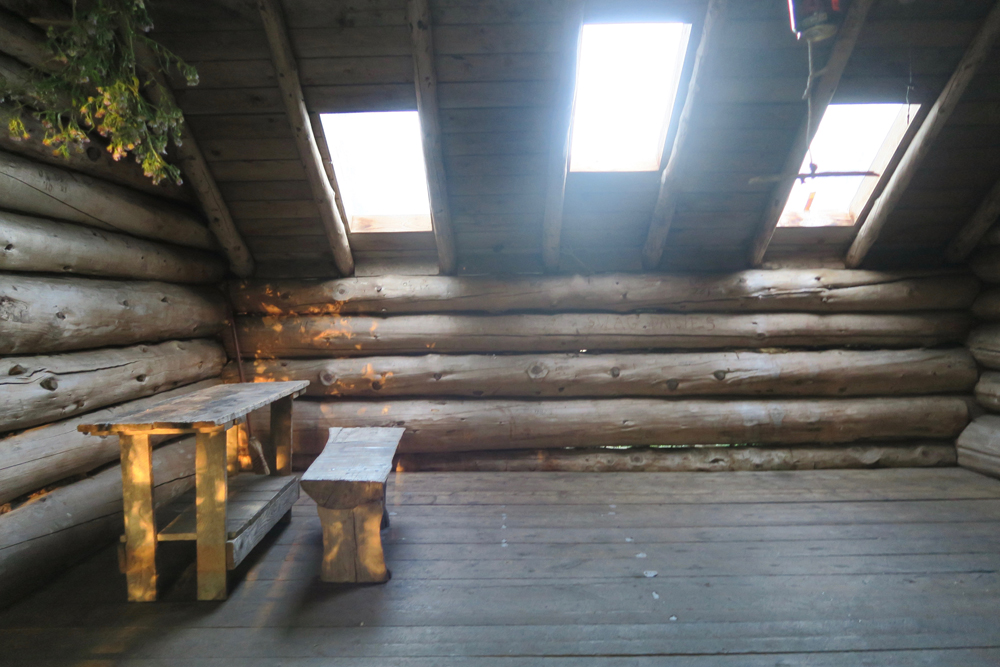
[43,537]
[979,445]
[987,464]
[922,454]
[41,314]
[984,343]
[826,373]
[47,246]
[40,189]
[988,391]
[750,291]
[35,458]
[985,263]
[93,159]
[270,337]
[987,305]
[463,425]
[40,389]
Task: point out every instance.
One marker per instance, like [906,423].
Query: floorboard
[819,568]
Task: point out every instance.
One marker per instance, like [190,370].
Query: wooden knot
[615,372]
[719,375]
[537,371]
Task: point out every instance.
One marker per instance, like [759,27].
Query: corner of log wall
[107,304]
[978,445]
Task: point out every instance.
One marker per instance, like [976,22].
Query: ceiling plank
[671,178]
[24,41]
[977,52]
[977,226]
[298,116]
[822,93]
[559,151]
[425,79]
[195,167]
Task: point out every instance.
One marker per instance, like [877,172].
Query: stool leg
[140,520]
[352,544]
[210,514]
[367,533]
[339,546]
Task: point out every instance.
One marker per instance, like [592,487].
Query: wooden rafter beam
[425,79]
[672,175]
[558,165]
[298,116]
[978,51]
[324,151]
[193,162]
[977,226]
[822,93]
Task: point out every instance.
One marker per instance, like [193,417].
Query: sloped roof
[497,64]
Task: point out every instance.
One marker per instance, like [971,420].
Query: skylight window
[854,138]
[379,161]
[626,83]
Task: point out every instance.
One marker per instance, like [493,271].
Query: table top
[207,408]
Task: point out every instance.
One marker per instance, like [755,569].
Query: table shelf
[255,504]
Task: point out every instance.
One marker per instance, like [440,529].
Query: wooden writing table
[210,414]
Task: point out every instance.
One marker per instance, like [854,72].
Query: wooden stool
[347,481]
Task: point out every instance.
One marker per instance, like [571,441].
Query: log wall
[978,446]
[109,301]
[50,533]
[790,357]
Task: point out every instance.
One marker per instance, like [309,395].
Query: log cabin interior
[619,332]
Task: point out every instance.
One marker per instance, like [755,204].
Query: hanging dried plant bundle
[92,83]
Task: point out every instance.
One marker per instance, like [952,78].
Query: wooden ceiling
[497,63]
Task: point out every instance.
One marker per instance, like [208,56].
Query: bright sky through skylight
[850,137]
[379,162]
[626,83]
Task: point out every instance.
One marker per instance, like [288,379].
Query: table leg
[140,520]
[210,514]
[279,451]
[233,437]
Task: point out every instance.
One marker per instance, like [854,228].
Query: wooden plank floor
[819,568]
